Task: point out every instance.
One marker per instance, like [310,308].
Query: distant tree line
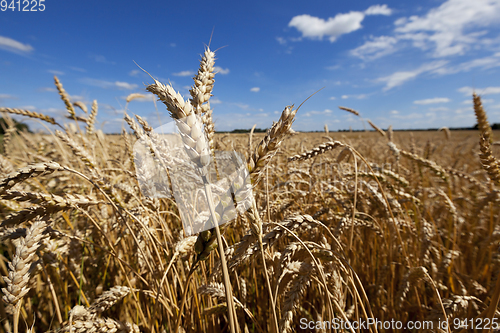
[475,127]
[257,130]
[19,126]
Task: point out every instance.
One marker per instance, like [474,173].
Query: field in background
[421,243]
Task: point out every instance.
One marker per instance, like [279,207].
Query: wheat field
[350,226]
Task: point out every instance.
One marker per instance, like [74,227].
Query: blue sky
[403,63]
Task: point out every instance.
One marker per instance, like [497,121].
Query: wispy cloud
[359,96]
[255,89]
[184,73]
[311,113]
[215,100]
[134,72]
[78,69]
[48,89]
[55,72]
[108,84]
[375,48]
[100,58]
[450,29]
[7,96]
[125,85]
[432,101]
[12,45]
[467,91]
[479,63]
[398,78]
[220,70]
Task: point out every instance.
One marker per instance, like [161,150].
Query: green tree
[20,126]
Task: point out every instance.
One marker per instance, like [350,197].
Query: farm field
[435,232]
[322,227]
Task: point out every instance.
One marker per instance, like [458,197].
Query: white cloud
[134,72]
[467,91]
[316,28]
[7,96]
[220,70]
[359,96]
[398,78]
[375,48]
[324,112]
[215,100]
[281,40]
[441,108]
[343,23]
[78,69]
[77,98]
[184,73]
[394,112]
[408,116]
[482,63]
[334,67]
[12,45]
[101,58]
[378,10]
[333,98]
[432,101]
[453,28]
[51,71]
[242,106]
[255,89]
[47,89]
[107,84]
[448,29]
[125,85]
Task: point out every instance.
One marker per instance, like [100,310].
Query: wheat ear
[482,120]
[31,114]
[349,110]
[22,174]
[201,93]
[91,119]
[375,127]
[189,126]
[65,97]
[21,267]
[81,105]
[269,145]
[321,149]
[488,161]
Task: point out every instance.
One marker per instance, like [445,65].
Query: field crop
[350,226]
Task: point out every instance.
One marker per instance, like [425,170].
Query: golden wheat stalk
[31,114]
[190,125]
